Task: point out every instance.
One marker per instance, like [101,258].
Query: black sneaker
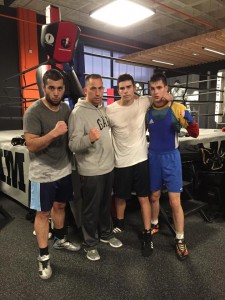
[118,225]
[154,228]
[181,249]
[147,244]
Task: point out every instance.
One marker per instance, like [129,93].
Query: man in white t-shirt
[127,122]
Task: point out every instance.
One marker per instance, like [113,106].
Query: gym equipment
[220,98]
[59,40]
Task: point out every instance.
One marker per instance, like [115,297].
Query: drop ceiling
[176,33]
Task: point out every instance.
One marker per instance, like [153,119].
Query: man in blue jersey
[164,120]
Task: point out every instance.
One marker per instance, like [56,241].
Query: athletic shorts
[42,195]
[132,179]
[165,168]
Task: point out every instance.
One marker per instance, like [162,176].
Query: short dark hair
[124,77]
[53,74]
[157,77]
[92,76]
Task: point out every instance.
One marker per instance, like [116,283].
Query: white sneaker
[92,254]
[45,270]
[65,244]
[113,242]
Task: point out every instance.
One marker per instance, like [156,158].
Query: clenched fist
[60,128]
[94,134]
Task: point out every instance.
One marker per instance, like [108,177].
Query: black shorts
[132,179]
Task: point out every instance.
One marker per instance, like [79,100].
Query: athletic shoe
[92,254]
[113,242]
[147,244]
[154,228]
[45,270]
[65,244]
[181,249]
[118,225]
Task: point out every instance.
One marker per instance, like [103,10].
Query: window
[96,61]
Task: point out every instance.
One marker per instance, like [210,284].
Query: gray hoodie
[92,158]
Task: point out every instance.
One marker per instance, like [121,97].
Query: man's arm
[192,126]
[37,143]
[193,130]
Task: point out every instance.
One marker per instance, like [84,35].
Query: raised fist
[60,128]
[94,134]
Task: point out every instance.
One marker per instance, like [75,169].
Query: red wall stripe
[28,51]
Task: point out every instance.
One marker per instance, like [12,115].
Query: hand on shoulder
[168,97]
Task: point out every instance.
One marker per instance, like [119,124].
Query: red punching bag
[59,40]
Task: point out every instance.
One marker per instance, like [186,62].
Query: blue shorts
[42,195]
[166,168]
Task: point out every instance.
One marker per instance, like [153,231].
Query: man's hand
[94,135]
[60,128]
[168,97]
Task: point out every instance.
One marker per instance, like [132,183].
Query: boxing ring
[14,167]
[206,136]
[14,162]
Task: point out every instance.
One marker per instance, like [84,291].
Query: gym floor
[121,273]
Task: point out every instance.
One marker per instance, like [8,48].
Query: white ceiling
[174,19]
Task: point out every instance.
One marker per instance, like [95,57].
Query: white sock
[179,235]
[154,222]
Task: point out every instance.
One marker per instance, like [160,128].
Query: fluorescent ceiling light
[214,51]
[162,62]
[121,13]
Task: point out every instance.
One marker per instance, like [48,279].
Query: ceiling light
[162,62]
[214,51]
[121,13]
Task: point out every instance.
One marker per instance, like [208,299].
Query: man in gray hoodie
[89,139]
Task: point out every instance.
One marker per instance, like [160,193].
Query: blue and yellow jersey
[164,124]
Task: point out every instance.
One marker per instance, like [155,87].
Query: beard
[52,102]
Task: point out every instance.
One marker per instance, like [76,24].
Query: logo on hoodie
[102,122]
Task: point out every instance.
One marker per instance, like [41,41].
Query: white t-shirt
[128,131]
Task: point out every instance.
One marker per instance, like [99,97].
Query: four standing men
[45,127]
